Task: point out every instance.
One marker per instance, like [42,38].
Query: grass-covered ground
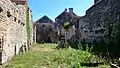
[46,56]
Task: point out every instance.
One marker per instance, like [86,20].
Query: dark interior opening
[43,25]
[8,14]
[15,19]
[1,9]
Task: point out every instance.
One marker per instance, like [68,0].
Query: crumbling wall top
[20,1]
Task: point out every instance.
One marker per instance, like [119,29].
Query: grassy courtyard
[46,56]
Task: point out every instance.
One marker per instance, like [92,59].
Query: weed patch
[46,56]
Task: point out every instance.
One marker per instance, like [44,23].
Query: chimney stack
[70,10]
[65,10]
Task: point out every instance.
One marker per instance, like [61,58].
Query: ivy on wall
[27,25]
[68,25]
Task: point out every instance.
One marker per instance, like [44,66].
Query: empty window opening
[1,9]
[16,3]
[8,14]
[85,31]
[18,21]
[43,25]
[23,24]
[15,19]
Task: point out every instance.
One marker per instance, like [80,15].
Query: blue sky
[53,8]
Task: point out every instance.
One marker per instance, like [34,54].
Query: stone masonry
[12,28]
[31,28]
[100,22]
[65,33]
[45,30]
[101,25]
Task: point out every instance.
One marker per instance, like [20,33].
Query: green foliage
[27,25]
[66,24]
[45,56]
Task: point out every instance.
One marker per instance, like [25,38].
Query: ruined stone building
[63,19]
[12,28]
[101,24]
[45,30]
[48,31]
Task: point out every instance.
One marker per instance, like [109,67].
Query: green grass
[46,56]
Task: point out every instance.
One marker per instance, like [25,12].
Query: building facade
[45,30]
[62,20]
[13,36]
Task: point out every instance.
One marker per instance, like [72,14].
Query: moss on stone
[27,25]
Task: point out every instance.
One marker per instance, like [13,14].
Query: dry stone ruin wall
[12,29]
[101,23]
[31,27]
[45,32]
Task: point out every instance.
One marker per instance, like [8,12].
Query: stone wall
[31,27]
[46,32]
[34,33]
[101,24]
[12,29]
[100,21]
